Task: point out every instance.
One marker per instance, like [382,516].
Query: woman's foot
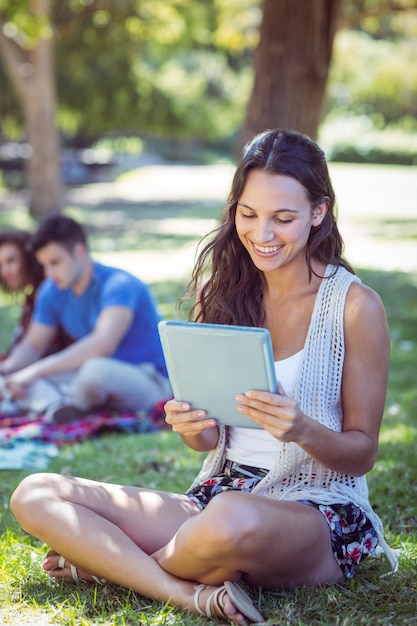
[57,567]
[226,602]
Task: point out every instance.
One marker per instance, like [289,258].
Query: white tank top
[255,446]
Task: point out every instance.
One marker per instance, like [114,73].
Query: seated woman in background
[20,273]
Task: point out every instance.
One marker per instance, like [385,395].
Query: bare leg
[104,529]
[269,543]
[110,531]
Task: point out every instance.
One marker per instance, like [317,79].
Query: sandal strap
[214,598]
[197,592]
[74,573]
[73,569]
[99,581]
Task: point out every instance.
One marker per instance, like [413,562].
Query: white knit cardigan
[295,474]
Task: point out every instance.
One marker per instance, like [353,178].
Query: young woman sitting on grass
[279,506]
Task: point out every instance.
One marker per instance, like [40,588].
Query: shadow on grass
[125,214]
[147,226]
[121,225]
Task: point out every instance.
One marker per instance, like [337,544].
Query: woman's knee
[30,497]
[229,523]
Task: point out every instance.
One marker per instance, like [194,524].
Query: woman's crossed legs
[162,545]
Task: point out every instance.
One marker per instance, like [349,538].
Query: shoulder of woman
[363,303]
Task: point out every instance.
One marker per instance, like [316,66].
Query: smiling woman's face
[274,218]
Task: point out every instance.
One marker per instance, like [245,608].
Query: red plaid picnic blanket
[25,428]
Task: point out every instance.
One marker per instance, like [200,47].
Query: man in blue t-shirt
[116,360]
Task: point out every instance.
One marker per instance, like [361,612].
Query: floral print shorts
[352,535]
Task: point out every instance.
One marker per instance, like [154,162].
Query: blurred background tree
[27,52]
[291,66]
[184,75]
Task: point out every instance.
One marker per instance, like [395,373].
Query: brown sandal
[238,597]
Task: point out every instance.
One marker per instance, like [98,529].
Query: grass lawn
[135,235]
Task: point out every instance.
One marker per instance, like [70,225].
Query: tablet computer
[208,364]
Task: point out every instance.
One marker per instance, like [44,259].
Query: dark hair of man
[59,229]
[33,271]
[233,293]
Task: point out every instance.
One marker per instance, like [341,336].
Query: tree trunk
[32,76]
[291,66]
[44,172]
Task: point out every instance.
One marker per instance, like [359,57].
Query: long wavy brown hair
[33,271]
[228,286]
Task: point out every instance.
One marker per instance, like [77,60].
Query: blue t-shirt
[77,314]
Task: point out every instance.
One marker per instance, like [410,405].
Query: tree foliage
[172,68]
[184,69]
[388,93]
[381,19]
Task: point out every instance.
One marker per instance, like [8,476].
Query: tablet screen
[208,364]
